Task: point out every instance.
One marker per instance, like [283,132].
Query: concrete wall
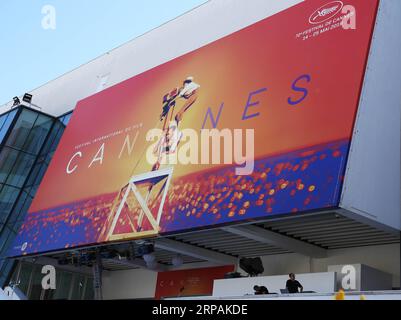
[129,284]
[385,258]
[321,282]
[366,278]
[138,283]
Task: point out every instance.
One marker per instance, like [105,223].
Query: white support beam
[138,263]
[54,262]
[273,238]
[194,251]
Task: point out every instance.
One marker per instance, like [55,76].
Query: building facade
[364,227]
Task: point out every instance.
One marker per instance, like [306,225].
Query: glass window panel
[7,236]
[24,277]
[2,226]
[56,140]
[13,277]
[17,225]
[41,174]
[27,189]
[63,285]
[36,285]
[89,293]
[38,134]
[3,119]
[3,279]
[65,119]
[20,170]
[49,294]
[8,195]
[6,125]
[32,176]
[52,137]
[21,129]
[78,287]
[2,268]
[8,157]
[5,233]
[19,211]
[32,191]
[49,158]
[7,118]
[5,269]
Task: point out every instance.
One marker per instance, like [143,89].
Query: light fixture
[145,248]
[177,261]
[149,257]
[252,266]
[27,98]
[151,264]
[16,101]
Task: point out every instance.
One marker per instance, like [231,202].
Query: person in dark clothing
[260,290]
[292,285]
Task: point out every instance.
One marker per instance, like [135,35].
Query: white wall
[385,258]
[129,284]
[321,282]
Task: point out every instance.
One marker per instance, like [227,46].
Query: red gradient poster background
[247,81]
[191,282]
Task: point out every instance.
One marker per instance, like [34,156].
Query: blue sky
[31,56]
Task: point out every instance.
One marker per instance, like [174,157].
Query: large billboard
[254,125]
